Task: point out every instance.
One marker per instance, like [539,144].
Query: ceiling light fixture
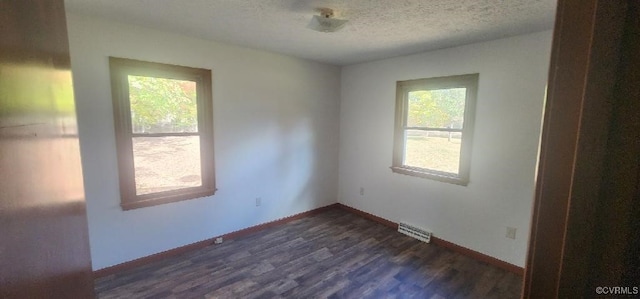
[325,22]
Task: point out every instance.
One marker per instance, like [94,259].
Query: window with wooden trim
[163,120]
[434,127]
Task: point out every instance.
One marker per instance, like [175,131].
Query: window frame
[120,69]
[468,81]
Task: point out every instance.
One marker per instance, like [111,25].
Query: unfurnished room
[319,149]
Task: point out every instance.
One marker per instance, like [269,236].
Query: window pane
[160,105]
[436,108]
[433,150]
[166,163]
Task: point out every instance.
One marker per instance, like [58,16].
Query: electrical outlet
[218,240]
[361,191]
[511,232]
[258,201]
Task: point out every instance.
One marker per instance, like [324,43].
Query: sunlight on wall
[276,128]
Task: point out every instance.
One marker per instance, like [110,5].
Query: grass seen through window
[433,131]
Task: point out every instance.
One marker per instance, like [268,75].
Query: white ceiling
[376,28]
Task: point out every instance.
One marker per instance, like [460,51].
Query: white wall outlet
[361,191]
[511,232]
[218,240]
[258,201]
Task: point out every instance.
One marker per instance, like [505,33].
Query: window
[164,132]
[434,127]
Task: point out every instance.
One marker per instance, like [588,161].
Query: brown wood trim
[154,199]
[201,244]
[115,269]
[243,232]
[442,243]
[478,256]
[253,229]
[44,236]
[120,69]
[470,82]
[572,224]
[371,217]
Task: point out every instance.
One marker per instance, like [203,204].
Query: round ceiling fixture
[325,22]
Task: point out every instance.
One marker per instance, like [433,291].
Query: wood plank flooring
[335,254]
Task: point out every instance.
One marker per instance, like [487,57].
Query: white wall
[513,73]
[276,123]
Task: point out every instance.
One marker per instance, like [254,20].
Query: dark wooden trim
[253,229]
[201,244]
[576,224]
[243,232]
[120,69]
[151,258]
[468,81]
[44,236]
[442,243]
[154,199]
[369,216]
[478,256]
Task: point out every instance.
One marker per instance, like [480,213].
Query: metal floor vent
[414,232]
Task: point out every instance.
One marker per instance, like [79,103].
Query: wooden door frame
[583,204]
[44,237]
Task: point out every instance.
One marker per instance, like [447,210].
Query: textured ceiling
[376,28]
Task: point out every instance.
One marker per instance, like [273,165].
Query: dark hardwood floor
[335,254]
